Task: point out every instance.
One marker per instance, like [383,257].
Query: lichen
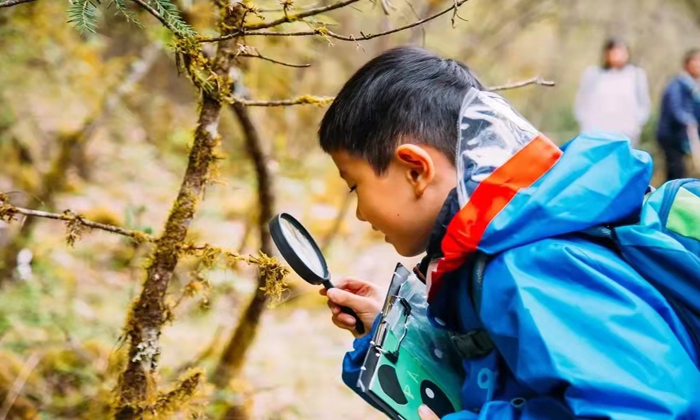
[314,100]
[272,275]
[75,228]
[140,237]
[7,210]
[148,350]
[177,399]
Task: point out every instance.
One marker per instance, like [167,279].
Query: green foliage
[171,14]
[120,5]
[83,15]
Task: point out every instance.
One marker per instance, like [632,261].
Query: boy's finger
[426,413]
[322,291]
[341,325]
[343,298]
[346,319]
[333,307]
[350,283]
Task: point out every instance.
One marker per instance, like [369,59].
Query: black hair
[611,44]
[404,95]
[690,54]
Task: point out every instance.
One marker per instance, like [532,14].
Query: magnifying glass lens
[304,249]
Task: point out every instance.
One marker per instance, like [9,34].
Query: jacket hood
[515,186]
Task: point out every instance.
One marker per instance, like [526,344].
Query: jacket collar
[434,250]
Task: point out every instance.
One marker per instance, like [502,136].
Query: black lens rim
[290,254]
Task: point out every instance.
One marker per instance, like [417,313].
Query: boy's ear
[420,167]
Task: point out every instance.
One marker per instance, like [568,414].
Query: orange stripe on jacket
[491,196]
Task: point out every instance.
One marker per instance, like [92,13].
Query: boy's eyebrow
[342,174]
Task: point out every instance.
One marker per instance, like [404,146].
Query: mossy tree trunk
[136,388]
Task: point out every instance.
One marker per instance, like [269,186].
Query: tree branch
[9,3]
[325,32]
[534,81]
[292,17]
[324,100]
[281,9]
[302,100]
[7,211]
[260,56]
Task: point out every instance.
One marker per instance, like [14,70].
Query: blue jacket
[578,333]
[680,107]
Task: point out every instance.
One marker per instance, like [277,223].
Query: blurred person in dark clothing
[678,133]
[614,96]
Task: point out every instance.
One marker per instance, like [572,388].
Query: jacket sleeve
[679,112]
[588,335]
[352,363]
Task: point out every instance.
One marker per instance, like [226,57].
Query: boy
[680,113]
[566,328]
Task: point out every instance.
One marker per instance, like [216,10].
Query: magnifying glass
[301,252]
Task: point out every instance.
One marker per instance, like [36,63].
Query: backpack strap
[475,344]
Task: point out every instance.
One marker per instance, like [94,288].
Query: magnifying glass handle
[359,326]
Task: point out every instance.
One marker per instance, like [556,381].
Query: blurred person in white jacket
[614,97]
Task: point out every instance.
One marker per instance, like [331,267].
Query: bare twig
[422,29]
[386,7]
[69,216]
[534,81]
[324,100]
[292,17]
[326,32]
[260,56]
[17,386]
[281,9]
[302,100]
[9,3]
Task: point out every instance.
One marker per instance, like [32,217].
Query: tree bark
[234,354]
[149,313]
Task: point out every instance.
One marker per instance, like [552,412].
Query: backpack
[663,247]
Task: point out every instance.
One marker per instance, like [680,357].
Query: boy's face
[403,203]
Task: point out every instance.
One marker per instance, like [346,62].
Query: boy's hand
[363,297]
[426,413]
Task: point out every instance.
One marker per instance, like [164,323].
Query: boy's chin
[408,251]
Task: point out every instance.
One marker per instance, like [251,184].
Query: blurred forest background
[102,123]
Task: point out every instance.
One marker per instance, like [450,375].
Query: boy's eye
[353,188]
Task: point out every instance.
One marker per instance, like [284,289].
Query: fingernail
[423,410]
[331,293]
